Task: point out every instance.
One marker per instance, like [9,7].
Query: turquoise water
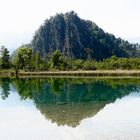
[69,109]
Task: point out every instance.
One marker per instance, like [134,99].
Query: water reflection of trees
[68,101]
[5,87]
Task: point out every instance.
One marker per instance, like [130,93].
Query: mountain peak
[79,39]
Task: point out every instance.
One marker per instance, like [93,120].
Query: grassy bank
[6,73]
[80,73]
[96,73]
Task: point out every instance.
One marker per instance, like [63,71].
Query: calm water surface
[69,109]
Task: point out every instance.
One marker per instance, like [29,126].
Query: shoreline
[78,73]
[96,73]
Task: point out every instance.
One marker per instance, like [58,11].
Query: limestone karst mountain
[79,39]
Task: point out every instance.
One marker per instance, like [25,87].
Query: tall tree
[57,60]
[22,58]
[4,58]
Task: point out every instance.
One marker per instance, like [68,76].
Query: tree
[38,63]
[4,58]
[22,58]
[57,61]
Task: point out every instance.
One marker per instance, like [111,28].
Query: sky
[19,19]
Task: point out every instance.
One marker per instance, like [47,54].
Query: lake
[69,108]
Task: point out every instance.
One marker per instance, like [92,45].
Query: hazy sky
[20,18]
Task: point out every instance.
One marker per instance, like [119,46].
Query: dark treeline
[24,59]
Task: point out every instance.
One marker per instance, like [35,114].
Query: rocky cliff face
[79,39]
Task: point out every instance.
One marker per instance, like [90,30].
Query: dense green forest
[25,59]
[67,42]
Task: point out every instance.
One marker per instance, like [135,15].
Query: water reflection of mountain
[70,114]
[68,101]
